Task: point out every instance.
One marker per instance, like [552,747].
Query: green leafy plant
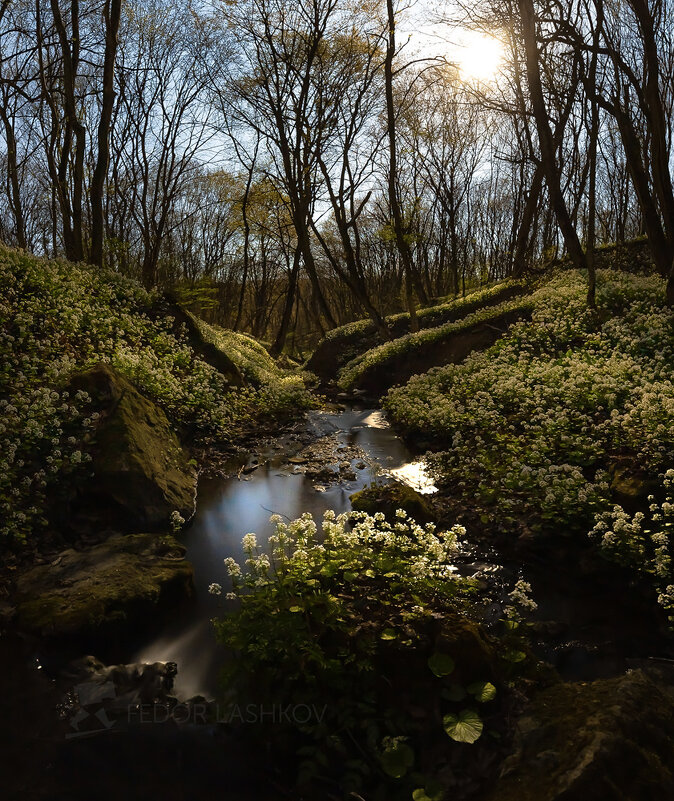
[525,432]
[345,618]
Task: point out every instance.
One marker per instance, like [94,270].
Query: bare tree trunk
[280,341]
[545,138]
[75,241]
[13,174]
[592,198]
[528,214]
[246,244]
[111,15]
[396,213]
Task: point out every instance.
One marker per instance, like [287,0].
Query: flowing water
[229,508]
[587,627]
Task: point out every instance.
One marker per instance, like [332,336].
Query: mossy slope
[347,342]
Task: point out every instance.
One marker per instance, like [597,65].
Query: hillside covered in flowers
[58,318]
[566,419]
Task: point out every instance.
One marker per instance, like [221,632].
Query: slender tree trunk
[246,247]
[280,341]
[304,245]
[13,174]
[111,14]
[394,203]
[592,206]
[528,215]
[73,232]
[545,138]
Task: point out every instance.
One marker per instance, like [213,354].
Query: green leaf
[431,792]
[388,634]
[397,760]
[512,655]
[483,691]
[295,609]
[466,727]
[441,664]
[349,575]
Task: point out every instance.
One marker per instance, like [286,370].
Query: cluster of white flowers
[520,601]
[177,521]
[56,318]
[527,423]
[643,541]
[362,545]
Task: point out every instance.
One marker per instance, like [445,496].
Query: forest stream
[589,631]
[585,628]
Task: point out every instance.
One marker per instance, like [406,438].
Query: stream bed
[587,627]
[347,451]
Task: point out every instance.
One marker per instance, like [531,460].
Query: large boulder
[141,475]
[119,582]
[608,740]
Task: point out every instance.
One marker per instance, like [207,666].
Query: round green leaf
[513,655]
[388,634]
[466,727]
[397,760]
[433,791]
[441,664]
[483,691]
[295,609]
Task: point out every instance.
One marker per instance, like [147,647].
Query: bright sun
[479,57]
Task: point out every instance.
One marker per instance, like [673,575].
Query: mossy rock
[208,350]
[121,581]
[387,498]
[608,740]
[141,474]
[630,486]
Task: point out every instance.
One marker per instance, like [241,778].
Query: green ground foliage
[57,318]
[530,431]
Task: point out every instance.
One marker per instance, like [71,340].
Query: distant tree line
[292,166]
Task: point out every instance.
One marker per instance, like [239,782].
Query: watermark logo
[85,711]
[201,713]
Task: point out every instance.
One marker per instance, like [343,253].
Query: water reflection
[230,508]
[414,475]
